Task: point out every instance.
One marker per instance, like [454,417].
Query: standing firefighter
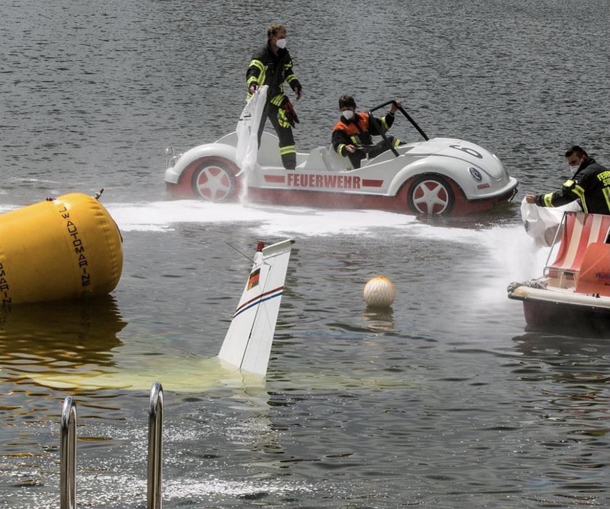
[272,66]
[590,183]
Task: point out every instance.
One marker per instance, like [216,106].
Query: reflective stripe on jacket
[358,132]
[590,185]
[267,68]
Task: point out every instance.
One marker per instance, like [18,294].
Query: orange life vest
[359,126]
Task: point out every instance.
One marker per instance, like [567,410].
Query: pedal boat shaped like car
[574,291]
[445,176]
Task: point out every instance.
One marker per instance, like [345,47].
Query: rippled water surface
[443,401]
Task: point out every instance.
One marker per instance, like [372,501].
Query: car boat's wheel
[431,195]
[214,181]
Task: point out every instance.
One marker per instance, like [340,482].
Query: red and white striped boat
[574,290]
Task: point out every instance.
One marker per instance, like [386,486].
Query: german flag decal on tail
[254,278]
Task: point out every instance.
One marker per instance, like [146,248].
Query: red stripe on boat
[276,179]
[371,183]
[579,231]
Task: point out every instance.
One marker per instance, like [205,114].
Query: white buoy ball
[379,292]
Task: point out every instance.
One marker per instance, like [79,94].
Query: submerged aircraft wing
[247,344]
[243,358]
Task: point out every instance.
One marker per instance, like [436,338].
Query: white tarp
[247,133]
[541,223]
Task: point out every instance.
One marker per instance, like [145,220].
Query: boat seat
[336,162]
[324,158]
[594,275]
[315,160]
[580,230]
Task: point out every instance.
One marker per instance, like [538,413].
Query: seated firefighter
[355,130]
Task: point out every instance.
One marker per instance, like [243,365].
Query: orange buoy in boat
[63,248]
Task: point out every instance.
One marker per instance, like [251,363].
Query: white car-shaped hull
[439,176]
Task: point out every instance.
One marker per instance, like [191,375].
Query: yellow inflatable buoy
[63,248]
[379,292]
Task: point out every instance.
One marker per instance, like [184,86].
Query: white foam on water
[272,220]
[508,247]
[511,255]
[281,221]
[515,251]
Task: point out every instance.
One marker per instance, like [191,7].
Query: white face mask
[348,114]
[281,43]
[574,169]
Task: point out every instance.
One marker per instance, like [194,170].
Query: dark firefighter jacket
[590,184]
[358,131]
[267,68]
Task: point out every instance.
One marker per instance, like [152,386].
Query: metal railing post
[155,446]
[67,477]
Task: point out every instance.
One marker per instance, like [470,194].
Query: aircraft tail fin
[247,344]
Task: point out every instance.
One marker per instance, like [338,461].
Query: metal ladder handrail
[155,447]
[67,476]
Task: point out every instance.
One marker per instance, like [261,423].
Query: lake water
[444,401]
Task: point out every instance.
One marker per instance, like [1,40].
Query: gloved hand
[291,115]
[299,92]
[530,198]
